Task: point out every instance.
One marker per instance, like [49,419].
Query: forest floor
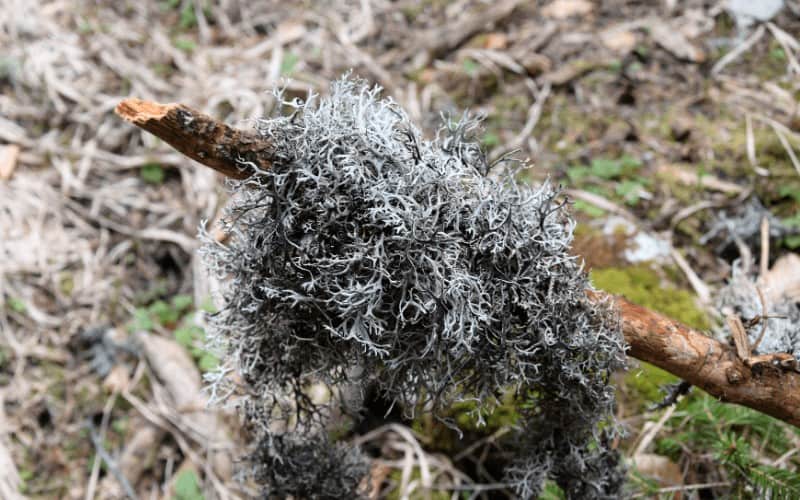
[672,126]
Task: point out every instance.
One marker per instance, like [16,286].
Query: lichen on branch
[367,254]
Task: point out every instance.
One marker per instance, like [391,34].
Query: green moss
[642,285]
[468,418]
[643,385]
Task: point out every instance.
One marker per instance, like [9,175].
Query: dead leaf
[783,280]
[674,42]
[139,453]
[573,70]
[175,368]
[690,177]
[681,126]
[9,154]
[621,41]
[658,467]
[374,480]
[177,371]
[562,9]
[535,63]
[117,379]
[495,41]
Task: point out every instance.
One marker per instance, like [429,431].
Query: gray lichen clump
[741,297]
[370,256]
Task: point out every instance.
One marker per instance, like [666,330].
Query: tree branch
[227,150]
[766,386]
[709,364]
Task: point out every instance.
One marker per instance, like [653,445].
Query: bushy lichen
[307,466]
[369,255]
[740,297]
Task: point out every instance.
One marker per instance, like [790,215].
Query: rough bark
[227,150]
[769,384]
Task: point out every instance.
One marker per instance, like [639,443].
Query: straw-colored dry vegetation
[674,129]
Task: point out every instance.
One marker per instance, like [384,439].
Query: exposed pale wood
[768,383]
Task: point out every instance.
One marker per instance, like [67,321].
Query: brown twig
[691,355]
[709,364]
[229,151]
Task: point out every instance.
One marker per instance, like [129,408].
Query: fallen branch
[770,387]
[227,150]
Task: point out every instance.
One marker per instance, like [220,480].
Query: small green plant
[184,44]
[588,208]
[187,486]
[188,17]
[596,176]
[703,424]
[469,66]
[193,338]
[176,314]
[793,241]
[289,63]
[16,305]
[152,173]
[490,140]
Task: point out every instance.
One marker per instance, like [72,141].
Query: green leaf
[551,491]
[164,313]
[630,164]
[606,169]
[16,305]
[185,336]
[777,54]
[152,173]
[491,140]
[182,302]
[208,306]
[184,44]
[629,191]
[589,209]
[578,173]
[187,486]
[288,63]
[170,4]
[792,241]
[141,321]
[208,362]
[188,17]
[470,66]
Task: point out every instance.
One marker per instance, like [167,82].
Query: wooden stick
[227,150]
[705,362]
[772,388]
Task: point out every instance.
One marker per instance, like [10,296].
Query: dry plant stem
[651,337]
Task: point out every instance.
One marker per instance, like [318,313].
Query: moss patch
[474,425]
[642,285]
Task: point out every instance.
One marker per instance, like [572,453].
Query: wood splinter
[689,354]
